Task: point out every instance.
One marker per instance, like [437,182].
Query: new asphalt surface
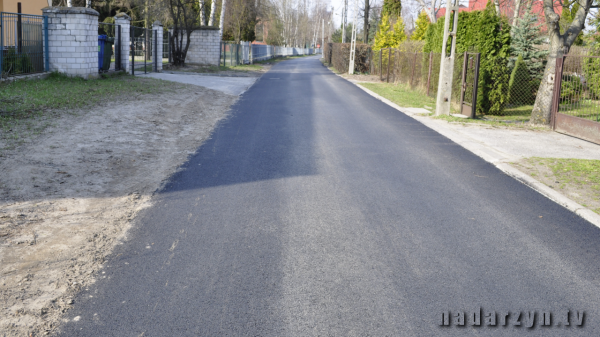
[317,210]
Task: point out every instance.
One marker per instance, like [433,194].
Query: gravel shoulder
[69,196]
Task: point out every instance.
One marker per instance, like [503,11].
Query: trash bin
[108,52]
[101,41]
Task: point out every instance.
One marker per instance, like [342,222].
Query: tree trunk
[366,24]
[211,21]
[202,13]
[222,19]
[542,109]
[559,45]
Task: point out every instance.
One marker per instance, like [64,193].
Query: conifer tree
[392,8]
[421,26]
[525,36]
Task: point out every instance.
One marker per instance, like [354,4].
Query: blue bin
[101,42]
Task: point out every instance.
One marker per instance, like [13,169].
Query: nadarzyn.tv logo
[527,319]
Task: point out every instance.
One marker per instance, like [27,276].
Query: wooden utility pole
[444,94]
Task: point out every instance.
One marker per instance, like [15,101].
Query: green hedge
[486,33]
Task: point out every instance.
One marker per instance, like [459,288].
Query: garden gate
[143,58]
[470,79]
[576,100]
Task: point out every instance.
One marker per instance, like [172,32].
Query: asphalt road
[317,210]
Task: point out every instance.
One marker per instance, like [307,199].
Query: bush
[13,63]
[519,85]
[340,57]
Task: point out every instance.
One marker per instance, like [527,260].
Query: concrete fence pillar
[73,40]
[157,27]
[124,21]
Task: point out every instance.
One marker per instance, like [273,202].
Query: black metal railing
[23,44]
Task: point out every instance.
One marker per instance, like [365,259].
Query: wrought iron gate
[143,56]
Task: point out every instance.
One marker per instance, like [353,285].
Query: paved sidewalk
[228,85]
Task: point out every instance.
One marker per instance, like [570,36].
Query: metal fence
[142,56]
[580,87]
[262,52]
[418,70]
[233,54]
[23,44]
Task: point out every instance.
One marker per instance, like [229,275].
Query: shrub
[519,85]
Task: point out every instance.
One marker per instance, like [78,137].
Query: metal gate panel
[469,84]
[576,109]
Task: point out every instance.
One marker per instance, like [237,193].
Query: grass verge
[401,95]
[577,178]
[26,106]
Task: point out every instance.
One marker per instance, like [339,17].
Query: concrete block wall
[205,45]
[124,21]
[73,40]
[157,27]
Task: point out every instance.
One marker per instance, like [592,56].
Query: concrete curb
[493,156]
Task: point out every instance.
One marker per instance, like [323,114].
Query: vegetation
[488,34]
[402,95]
[519,86]
[386,36]
[579,178]
[421,26]
[23,101]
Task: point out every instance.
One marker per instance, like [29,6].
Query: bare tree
[184,19]
[431,7]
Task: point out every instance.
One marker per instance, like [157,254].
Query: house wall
[27,6]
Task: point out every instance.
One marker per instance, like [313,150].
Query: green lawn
[402,95]
[23,101]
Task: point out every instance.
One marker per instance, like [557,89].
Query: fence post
[124,23]
[413,70]
[380,64]
[475,85]
[158,41]
[388,65]
[2,41]
[46,48]
[132,50]
[463,84]
[430,68]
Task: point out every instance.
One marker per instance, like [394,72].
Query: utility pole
[344,20]
[444,94]
[366,23]
[353,43]
[322,36]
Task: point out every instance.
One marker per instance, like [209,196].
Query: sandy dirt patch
[68,196]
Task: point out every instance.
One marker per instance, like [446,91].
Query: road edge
[498,159]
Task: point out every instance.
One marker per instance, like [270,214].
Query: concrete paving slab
[228,85]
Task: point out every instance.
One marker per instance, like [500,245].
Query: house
[27,6]
[507,8]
